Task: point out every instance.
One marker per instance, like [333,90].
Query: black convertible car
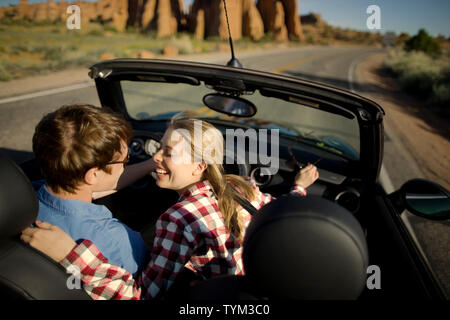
[345,240]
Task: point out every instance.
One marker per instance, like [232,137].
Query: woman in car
[202,232]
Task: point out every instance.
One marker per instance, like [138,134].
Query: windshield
[160,101]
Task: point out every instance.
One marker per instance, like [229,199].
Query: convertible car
[345,240]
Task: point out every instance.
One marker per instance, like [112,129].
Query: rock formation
[269,10]
[206,18]
[292,20]
[166,24]
[279,27]
[162,16]
[215,19]
[252,22]
[199,22]
[115,11]
[24,10]
[148,13]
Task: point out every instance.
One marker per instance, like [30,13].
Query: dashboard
[334,182]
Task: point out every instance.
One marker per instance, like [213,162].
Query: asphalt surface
[334,66]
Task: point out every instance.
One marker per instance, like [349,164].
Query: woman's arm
[131,174]
[172,249]
[306,176]
[101,280]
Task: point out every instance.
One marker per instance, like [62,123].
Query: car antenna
[233,62]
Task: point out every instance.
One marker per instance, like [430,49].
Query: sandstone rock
[267,9]
[24,10]
[106,56]
[215,20]
[114,11]
[200,25]
[177,9]
[163,16]
[135,12]
[120,14]
[105,9]
[52,11]
[252,22]
[143,54]
[280,30]
[167,24]
[234,8]
[88,12]
[40,12]
[292,19]
[148,14]
[170,51]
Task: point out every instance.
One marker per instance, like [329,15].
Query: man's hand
[49,239]
[307,176]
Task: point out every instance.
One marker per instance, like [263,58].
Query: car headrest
[305,248]
[18,203]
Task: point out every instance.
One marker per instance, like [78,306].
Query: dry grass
[422,75]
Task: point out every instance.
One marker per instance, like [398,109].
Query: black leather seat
[25,273]
[302,248]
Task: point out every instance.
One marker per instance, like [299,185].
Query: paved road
[334,66]
[19,117]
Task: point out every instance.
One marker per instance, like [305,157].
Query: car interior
[322,246]
[28,274]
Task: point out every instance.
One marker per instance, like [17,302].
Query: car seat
[25,273]
[301,248]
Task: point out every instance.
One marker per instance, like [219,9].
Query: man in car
[82,151]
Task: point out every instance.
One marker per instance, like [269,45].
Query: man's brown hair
[75,138]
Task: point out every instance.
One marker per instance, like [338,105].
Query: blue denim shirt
[83,220]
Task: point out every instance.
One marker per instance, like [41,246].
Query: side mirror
[423,198]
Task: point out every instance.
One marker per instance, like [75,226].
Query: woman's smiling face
[176,169]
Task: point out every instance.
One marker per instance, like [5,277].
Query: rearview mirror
[424,198]
[229,105]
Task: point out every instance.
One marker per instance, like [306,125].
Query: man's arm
[131,174]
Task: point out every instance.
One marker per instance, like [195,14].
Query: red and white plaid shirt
[191,234]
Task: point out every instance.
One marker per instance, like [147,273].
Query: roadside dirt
[426,137]
[425,134]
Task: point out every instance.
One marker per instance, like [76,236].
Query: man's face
[108,181]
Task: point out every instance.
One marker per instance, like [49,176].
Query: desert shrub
[49,52]
[422,41]
[441,89]
[421,74]
[183,44]
[96,33]
[4,75]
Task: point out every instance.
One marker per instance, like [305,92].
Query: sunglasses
[124,162]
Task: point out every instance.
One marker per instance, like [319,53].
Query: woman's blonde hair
[223,185]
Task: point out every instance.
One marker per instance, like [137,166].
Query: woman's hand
[49,239]
[307,176]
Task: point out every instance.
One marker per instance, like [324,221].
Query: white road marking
[48,92]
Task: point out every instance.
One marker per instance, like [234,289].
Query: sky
[396,15]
